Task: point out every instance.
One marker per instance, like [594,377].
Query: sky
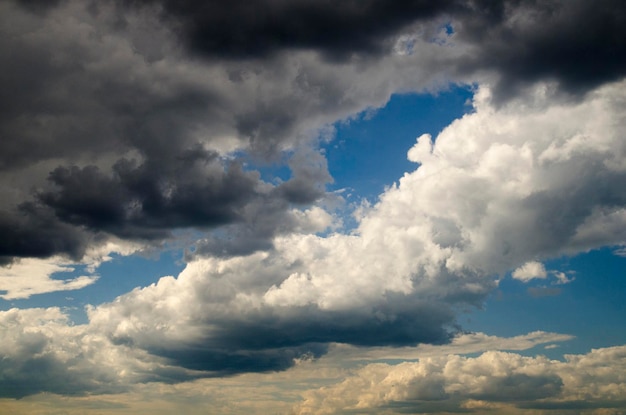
[313,207]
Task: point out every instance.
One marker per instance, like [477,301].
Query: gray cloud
[114,130]
[244,30]
[143,200]
[133,136]
[38,234]
[90,87]
[265,338]
[580,44]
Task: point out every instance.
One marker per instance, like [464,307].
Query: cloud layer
[437,241]
[129,124]
[494,381]
[42,353]
[154,103]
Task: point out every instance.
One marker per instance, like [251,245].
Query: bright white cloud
[497,380]
[42,351]
[31,276]
[530,271]
[495,190]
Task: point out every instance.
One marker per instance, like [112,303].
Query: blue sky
[305,208]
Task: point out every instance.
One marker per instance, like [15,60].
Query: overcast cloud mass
[134,127]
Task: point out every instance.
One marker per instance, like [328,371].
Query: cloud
[497,380]
[464,343]
[114,95]
[397,279]
[530,271]
[30,276]
[561,278]
[43,352]
[522,41]
[527,41]
[216,310]
[115,130]
[35,356]
[33,276]
[244,30]
[438,240]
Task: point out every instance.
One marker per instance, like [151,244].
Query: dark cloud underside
[269,340]
[243,29]
[581,44]
[82,97]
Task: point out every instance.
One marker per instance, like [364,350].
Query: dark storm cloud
[36,232]
[224,362]
[150,197]
[243,29]
[87,88]
[124,140]
[270,339]
[580,44]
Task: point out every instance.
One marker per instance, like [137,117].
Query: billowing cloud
[116,130]
[155,101]
[43,352]
[530,271]
[494,380]
[438,240]
[579,44]
[132,122]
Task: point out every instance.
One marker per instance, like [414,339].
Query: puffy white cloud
[42,351]
[530,271]
[488,197]
[492,380]
[497,189]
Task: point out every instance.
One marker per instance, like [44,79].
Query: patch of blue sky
[369,151]
[592,307]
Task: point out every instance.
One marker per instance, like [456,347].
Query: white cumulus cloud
[530,271]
